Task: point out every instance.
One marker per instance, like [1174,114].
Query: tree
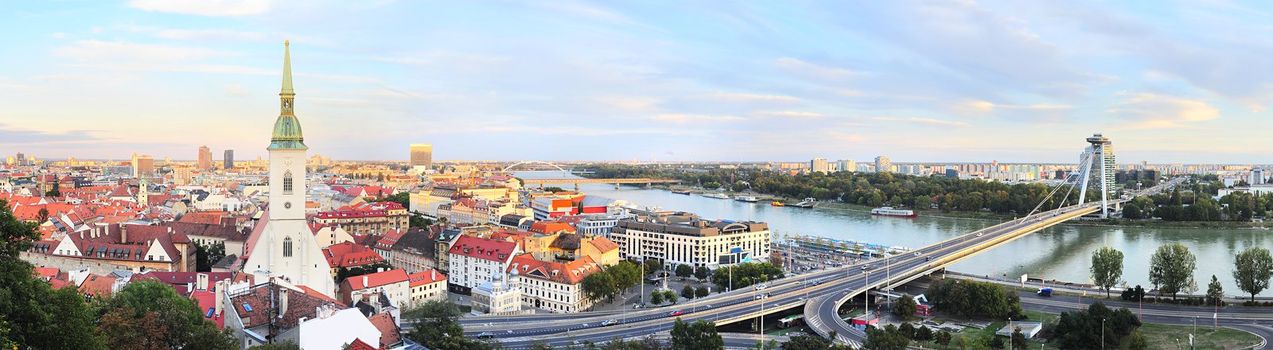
[43,215]
[1215,292]
[923,333]
[1018,339]
[599,286]
[907,330]
[1171,269]
[702,272]
[971,299]
[942,338]
[905,307]
[806,342]
[670,296]
[701,292]
[683,270]
[1137,342]
[626,275]
[653,265]
[277,346]
[207,255]
[437,327]
[996,343]
[1107,268]
[687,292]
[150,314]
[887,338]
[695,336]
[1252,269]
[656,297]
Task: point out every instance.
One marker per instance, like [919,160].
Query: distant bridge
[577,181]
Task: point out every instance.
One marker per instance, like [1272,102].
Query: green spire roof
[287,129]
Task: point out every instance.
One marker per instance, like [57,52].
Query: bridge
[579,180]
[818,294]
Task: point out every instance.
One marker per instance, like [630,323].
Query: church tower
[286,247]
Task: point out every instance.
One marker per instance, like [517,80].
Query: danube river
[1061,252]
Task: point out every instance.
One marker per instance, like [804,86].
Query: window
[287,182]
[287,247]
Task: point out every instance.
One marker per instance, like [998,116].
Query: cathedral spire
[287,129]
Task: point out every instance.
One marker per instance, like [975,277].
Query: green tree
[599,286]
[683,270]
[1252,269]
[670,296]
[887,338]
[653,265]
[701,292]
[1137,342]
[1171,269]
[437,327]
[807,342]
[43,215]
[942,338]
[923,333]
[695,336]
[1018,339]
[153,314]
[997,343]
[687,292]
[656,297]
[206,255]
[1107,268]
[905,307]
[1215,292]
[626,275]
[702,272]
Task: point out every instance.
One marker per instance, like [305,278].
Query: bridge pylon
[1099,153]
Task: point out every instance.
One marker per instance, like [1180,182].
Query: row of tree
[612,281]
[744,275]
[1084,328]
[1171,270]
[973,299]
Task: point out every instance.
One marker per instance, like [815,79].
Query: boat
[806,203]
[776,203]
[890,211]
[717,195]
[748,199]
[684,192]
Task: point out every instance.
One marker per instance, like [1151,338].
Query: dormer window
[287,182]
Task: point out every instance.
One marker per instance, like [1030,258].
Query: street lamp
[1103,334]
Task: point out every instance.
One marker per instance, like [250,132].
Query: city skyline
[162,78]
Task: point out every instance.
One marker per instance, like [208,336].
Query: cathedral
[286,248]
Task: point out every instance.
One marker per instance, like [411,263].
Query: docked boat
[684,192]
[806,203]
[748,199]
[890,211]
[776,203]
[717,195]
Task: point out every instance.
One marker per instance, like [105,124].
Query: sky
[973,81]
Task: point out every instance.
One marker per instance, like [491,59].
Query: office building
[205,159]
[421,155]
[883,164]
[848,165]
[229,159]
[143,165]
[683,238]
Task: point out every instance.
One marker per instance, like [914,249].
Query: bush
[971,299]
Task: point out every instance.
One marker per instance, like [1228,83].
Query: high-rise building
[143,165]
[205,158]
[229,159]
[421,154]
[819,165]
[848,165]
[22,159]
[883,164]
[286,247]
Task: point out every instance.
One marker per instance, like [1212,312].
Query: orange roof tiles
[377,279]
[426,277]
[566,273]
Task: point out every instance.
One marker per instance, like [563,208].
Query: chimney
[282,302]
[203,281]
[364,281]
[433,275]
[220,298]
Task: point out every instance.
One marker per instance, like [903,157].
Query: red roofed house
[552,286]
[349,255]
[393,283]
[366,218]
[96,285]
[426,286]
[473,261]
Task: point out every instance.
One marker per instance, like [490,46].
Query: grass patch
[1045,318]
[1164,337]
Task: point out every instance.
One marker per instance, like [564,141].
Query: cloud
[986,107]
[920,121]
[1154,111]
[204,7]
[801,67]
[14,136]
[695,118]
[200,34]
[753,97]
[791,114]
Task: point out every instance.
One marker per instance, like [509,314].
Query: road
[1258,321]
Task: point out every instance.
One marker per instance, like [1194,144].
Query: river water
[1061,252]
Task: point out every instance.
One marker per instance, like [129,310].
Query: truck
[1044,292]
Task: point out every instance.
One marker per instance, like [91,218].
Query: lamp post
[1102,334]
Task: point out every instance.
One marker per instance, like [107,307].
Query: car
[761,286]
[609,322]
[485,335]
[676,313]
[916,253]
[928,258]
[759,296]
[636,306]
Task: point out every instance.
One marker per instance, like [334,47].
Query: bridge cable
[1086,158]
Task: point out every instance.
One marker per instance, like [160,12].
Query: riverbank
[986,215]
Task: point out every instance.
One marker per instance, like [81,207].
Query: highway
[819,293]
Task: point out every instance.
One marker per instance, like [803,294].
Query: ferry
[806,203]
[684,192]
[717,195]
[748,199]
[776,203]
[890,211]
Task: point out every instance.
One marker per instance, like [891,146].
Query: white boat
[716,195]
[806,203]
[890,211]
[748,199]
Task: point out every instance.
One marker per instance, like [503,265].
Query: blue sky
[642,80]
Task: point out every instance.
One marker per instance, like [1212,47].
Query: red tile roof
[348,254]
[96,285]
[358,344]
[389,331]
[377,279]
[481,248]
[426,277]
[603,244]
[566,273]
